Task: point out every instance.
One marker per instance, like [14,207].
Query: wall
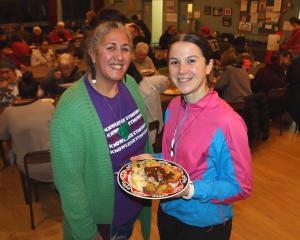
[216,22]
[128,8]
[138,6]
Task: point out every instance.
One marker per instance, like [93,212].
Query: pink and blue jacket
[208,139]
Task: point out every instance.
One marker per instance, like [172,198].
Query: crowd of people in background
[123,85]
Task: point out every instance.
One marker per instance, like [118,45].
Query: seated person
[143,27]
[138,36]
[65,72]
[26,123]
[293,41]
[141,60]
[234,83]
[76,46]
[36,36]
[8,82]
[43,55]
[150,88]
[166,37]
[213,42]
[21,50]
[60,34]
[293,93]
[271,76]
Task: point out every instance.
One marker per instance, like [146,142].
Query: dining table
[166,97]
[39,72]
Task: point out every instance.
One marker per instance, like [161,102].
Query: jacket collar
[201,103]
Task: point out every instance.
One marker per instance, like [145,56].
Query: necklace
[123,129]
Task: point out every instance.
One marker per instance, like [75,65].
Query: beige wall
[138,6]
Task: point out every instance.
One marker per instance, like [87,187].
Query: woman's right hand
[98,237]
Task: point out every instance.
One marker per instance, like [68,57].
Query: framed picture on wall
[227,21]
[245,26]
[207,10]
[217,11]
[227,11]
[170,6]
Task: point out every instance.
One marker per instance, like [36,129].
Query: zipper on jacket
[177,133]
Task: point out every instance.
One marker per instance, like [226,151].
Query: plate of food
[153,178]
[147,72]
[49,100]
[172,91]
[65,85]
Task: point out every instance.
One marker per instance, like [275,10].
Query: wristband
[191,192]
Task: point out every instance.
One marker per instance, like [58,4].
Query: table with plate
[39,72]
[167,96]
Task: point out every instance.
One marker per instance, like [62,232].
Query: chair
[242,110]
[2,149]
[32,158]
[277,101]
[154,126]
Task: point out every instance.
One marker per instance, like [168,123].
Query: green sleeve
[67,153]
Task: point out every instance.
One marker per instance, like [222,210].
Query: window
[75,10]
[20,11]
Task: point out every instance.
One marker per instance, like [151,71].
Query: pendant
[124,130]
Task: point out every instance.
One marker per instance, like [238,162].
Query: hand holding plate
[142,156]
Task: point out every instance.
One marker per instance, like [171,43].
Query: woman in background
[234,83]
[27,124]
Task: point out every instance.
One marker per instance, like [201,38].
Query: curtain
[52,12]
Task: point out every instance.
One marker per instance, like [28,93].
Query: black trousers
[172,229]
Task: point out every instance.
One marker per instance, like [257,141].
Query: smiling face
[188,70]
[112,56]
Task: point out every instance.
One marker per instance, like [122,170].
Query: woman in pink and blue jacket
[205,136]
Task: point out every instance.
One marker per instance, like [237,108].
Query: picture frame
[227,21]
[207,10]
[245,26]
[217,11]
[227,11]
[170,6]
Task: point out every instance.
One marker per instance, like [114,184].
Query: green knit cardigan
[82,165]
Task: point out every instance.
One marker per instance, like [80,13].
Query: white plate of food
[153,179]
[65,85]
[49,100]
[147,72]
[172,91]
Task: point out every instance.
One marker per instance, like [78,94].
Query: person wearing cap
[214,45]
[8,82]
[60,34]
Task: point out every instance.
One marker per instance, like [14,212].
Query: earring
[94,79]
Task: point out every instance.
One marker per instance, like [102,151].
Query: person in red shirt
[293,42]
[60,34]
[21,50]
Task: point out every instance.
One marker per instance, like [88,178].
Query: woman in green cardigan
[99,124]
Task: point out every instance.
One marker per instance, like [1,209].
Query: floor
[272,212]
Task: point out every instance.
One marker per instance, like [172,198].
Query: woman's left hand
[184,193]
[141,157]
